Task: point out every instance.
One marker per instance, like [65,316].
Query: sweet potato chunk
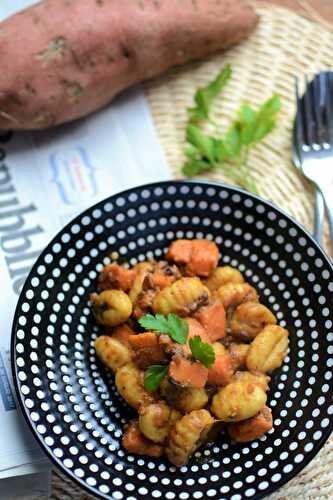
[199,256]
[195,328]
[252,428]
[221,372]
[180,251]
[213,319]
[146,349]
[135,442]
[188,373]
[204,259]
[115,276]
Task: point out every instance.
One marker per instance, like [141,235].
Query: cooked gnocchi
[191,347]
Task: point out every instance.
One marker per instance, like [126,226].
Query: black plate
[69,400]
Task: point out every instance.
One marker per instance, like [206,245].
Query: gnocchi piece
[159,277]
[129,384]
[156,420]
[237,401]
[142,271]
[190,399]
[249,319]
[184,399]
[187,435]
[238,353]
[111,307]
[223,276]
[234,294]
[135,442]
[112,353]
[183,297]
[268,349]
[252,428]
[256,378]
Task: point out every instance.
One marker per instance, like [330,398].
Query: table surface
[315,9]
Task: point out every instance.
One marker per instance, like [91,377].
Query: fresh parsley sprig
[154,376]
[177,329]
[228,153]
[202,351]
[204,96]
[172,325]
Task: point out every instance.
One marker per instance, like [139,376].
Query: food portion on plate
[191,347]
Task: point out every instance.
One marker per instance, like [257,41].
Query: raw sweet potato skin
[63,59]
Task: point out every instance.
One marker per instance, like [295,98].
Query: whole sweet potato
[63,59]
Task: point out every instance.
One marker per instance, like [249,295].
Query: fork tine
[298,128]
[319,90]
[310,136]
[323,90]
[329,105]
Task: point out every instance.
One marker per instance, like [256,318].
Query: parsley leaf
[247,123]
[178,328]
[230,153]
[233,141]
[204,96]
[201,142]
[195,167]
[172,325]
[154,376]
[201,351]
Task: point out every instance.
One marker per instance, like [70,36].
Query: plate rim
[25,411]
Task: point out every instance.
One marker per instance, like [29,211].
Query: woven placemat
[284,45]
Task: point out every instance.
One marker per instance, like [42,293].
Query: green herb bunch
[228,154]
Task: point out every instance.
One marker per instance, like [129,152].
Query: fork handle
[318,230]
[327,192]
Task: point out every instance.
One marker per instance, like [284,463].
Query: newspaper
[46,178]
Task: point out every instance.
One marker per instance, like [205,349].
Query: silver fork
[314,137]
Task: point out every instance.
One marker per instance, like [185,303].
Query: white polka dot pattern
[70,401]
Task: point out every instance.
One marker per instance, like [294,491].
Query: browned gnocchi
[129,383]
[113,353]
[191,347]
[156,420]
[268,349]
[187,435]
[239,400]
[183,297]
[223,276]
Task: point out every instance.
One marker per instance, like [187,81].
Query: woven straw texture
[284,45]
